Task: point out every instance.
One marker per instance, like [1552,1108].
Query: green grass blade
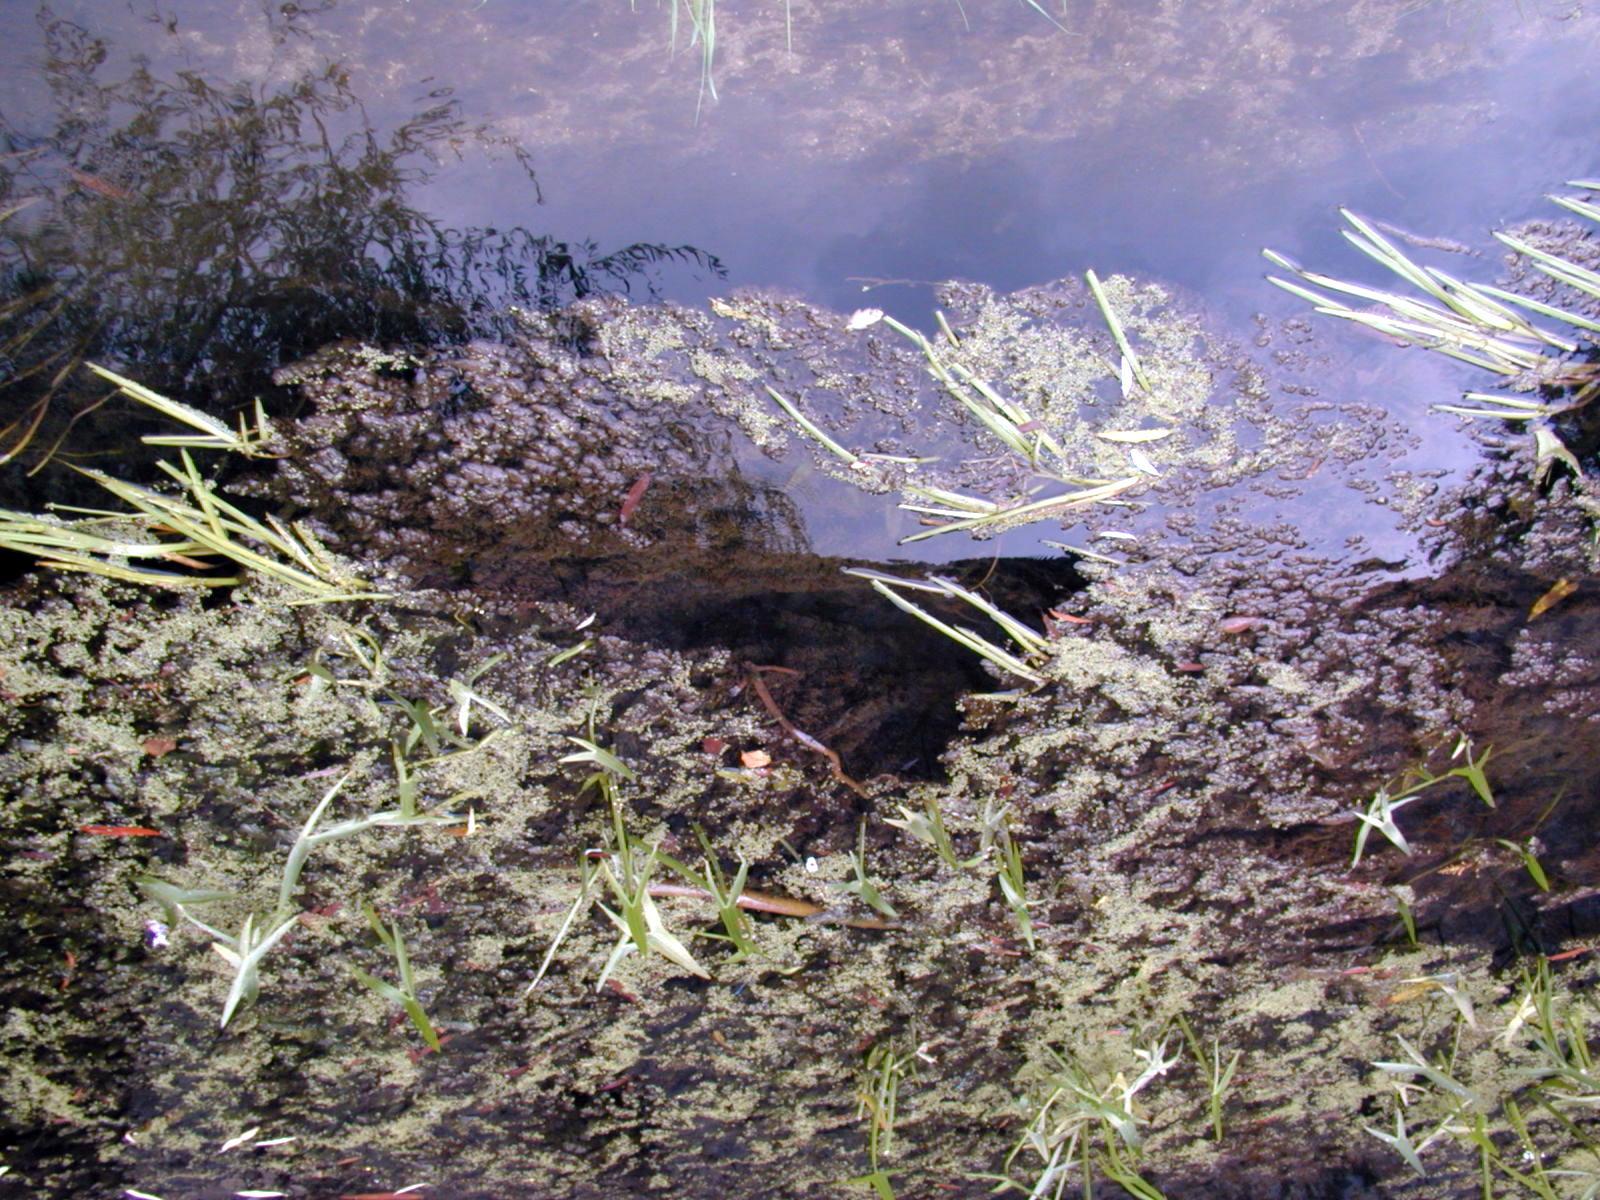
[813,429]
[1117,333]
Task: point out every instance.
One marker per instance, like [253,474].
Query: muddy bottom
[1006,927]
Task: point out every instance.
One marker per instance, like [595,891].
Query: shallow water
[878,149]
[892,142]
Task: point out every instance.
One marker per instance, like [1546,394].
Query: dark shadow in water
[199,234]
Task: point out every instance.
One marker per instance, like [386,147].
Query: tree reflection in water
[199,234]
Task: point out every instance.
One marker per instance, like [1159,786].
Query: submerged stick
[799,735]
[783,906]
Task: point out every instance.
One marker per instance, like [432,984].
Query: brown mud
[1181,791]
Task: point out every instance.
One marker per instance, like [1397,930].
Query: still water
[857,154]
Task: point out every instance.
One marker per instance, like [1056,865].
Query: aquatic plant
[1082,1121]
[259,933]
[1032,644]
[1514,1099]
[624,868]
[1011,878]
[1379,813]
[928,827]
[406,994]
[186,529]
[1218,1075]
[1020,431]
[884,1069]
[861,886]
[1480,324]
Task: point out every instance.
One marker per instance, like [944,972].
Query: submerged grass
[884,1069]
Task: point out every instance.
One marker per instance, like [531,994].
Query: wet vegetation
[204,234]
[1174,908]
[485,788]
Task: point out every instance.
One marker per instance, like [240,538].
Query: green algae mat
[627,847]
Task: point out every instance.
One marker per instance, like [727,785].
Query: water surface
[861,153]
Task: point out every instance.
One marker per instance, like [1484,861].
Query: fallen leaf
[1559,591]
[119,830]
[1238,624]
[1413,989]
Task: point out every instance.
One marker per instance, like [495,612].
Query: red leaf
[120,830]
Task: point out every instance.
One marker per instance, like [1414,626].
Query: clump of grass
[1508,1099]
[1009,875]
[959,512]
[1080,1122]
[737,927]
[862,887]
[996,847]
[878,1101]
[260,932]
[1403,897]
[406,994]
[1021,434]
[928,827]
[1218,1075]
[1380,811]
[623,870]
[815,431]
[1131,366]
[253,440]
[425,732]
[1476,323]
[191,529]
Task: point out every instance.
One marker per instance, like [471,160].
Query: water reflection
[203,232]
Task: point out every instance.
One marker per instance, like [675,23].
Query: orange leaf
[1559,591]
[120,830]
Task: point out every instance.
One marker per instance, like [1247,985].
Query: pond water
[203,191]
[859,154]
[930,140]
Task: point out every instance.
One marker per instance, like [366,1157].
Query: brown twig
[783,906]
[799,735]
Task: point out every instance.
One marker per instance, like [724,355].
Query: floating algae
[1180,791]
